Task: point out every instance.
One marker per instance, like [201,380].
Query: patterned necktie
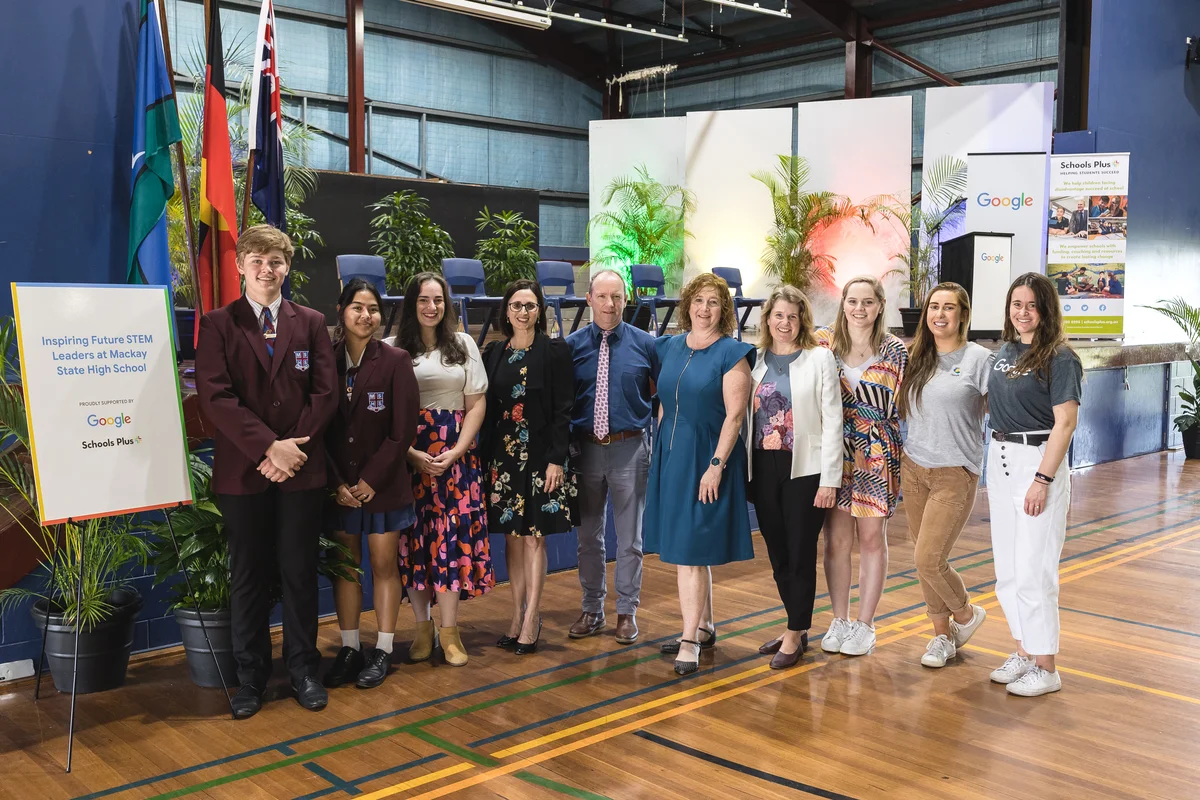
[268,327]
[600,429]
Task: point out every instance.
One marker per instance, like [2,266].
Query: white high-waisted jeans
[1027,549]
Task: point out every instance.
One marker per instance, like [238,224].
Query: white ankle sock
[384,642]
[350,639]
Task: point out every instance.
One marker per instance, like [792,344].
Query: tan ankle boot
[452,647]
[422,647]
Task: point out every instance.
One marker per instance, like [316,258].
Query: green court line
[546,783]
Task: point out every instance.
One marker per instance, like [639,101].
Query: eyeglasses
[517,308]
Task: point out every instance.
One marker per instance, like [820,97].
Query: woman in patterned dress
[871,364]
[445,555]
[531,493]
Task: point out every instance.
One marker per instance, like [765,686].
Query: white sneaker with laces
[860,641]
[963,633]
[1036,682]
[831,642]
[939,651]
[1012,669]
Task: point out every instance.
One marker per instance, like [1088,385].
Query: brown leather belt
[613,437]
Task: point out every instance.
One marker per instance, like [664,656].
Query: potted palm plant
[1187,317]
[507,254]
[98,598]
[407,239]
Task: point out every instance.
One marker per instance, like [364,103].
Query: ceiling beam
[909,61]
[558,52]
[835,16]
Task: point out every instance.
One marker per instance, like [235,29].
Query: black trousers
[790,525]
[273,536]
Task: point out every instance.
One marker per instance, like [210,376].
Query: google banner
[102,399]
[1086,227]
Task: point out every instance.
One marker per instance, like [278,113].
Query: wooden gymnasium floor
[592,719]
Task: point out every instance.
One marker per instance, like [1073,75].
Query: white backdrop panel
[616,147]
[733,211]
[861,149]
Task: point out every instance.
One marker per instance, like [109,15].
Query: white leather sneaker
[939,651]
[1036,682]
[1012,669]
[831,642]
[860,641]
[963,633]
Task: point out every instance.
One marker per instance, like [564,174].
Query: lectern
[980,263]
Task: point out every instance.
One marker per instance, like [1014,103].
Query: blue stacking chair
[468,288]
[733,276]
[560,274]
[373,270]
[650,276]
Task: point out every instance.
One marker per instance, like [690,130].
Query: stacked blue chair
[733,276]
[468,288]
[646,277]
[373,270]
[560,274]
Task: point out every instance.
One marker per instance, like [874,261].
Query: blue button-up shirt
[632,372]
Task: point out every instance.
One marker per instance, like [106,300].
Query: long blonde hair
[841,330]
[786,293]
[923,354]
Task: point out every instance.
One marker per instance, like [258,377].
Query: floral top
[773,405]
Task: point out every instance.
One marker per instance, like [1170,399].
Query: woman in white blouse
[795,449]
[445,555]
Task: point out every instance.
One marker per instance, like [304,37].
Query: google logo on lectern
[1015,203]
[996,259]
[115,422]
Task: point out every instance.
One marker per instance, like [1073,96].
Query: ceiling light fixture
[496,12]
[755,7]
[598,23]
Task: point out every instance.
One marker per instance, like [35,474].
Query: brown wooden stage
[593,719]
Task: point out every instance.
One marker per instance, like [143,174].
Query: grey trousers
[618,473]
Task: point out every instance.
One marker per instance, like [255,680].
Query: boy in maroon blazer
[267,382]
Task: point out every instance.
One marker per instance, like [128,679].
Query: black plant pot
[1191,442]
[910,318]
[103,650]
[200,661]
[185,329]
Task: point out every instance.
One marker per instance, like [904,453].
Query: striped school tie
[268,328]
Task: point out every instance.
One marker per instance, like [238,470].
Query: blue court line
[509,681]
[335,782]
[1131,622]
[287,751]
[374,776]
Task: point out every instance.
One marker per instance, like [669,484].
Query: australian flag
[266,124]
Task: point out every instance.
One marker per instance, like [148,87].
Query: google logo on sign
[116,422]
[1015,203]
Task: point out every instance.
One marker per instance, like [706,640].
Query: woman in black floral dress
[531,491]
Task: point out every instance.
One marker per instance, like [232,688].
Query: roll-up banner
[1085,257]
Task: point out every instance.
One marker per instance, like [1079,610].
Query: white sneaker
[963,633]
[939,651]
[1012,669]
[1035,682]
[839,629]
[860,641]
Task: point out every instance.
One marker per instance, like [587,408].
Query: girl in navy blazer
[366,444]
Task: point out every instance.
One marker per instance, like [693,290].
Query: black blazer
[253,399]
[550,387]
[371,434]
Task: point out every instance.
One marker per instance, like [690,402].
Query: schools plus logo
[1016,203]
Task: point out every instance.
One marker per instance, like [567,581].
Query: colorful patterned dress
[871,441]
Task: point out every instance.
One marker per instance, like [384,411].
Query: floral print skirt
[447,549]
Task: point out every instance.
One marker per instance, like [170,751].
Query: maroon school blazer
[371,433]
[253,400]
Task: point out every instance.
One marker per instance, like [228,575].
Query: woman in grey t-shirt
[943,399]
[1034,392]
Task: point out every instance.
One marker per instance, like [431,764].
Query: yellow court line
[602,736]
[419,781]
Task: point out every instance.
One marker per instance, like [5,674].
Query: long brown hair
[786,293]
[923,353]
[706,280]
[1048,338]
[451,349]
[841,329]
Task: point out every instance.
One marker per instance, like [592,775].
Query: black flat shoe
[507,641]
[311,694]
[375,671]
[523,649]
[671,648]
[345,669]
[247,702]
[688,667]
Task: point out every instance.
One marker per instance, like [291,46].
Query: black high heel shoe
[510,641]
[671,648]
[523,649]
[688,667]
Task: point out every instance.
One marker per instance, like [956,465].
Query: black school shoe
[346,668]
[311,694]
[247,702]
[376,669]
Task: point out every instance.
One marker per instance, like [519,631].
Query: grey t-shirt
[1025,403]
[945,429]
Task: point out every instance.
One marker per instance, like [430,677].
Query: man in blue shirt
[616,366]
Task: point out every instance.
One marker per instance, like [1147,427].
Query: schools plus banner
[102,399]
[1086,225]
[1005,194]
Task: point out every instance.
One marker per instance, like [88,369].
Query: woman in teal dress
[696,515]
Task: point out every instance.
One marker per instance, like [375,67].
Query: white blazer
[816,415]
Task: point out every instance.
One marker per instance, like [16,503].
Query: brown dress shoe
[627,630]
[783,660]
[588,624]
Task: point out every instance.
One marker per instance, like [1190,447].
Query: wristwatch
[716,462]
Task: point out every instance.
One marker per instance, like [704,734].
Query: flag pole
[181,165]
[249,182]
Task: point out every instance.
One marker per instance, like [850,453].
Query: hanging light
[598,23]
[502,12]
[754,7]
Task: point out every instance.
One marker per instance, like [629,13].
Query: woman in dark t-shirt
[1033,397]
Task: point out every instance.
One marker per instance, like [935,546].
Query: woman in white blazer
[795,457]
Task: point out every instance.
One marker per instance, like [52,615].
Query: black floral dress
[517,500]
